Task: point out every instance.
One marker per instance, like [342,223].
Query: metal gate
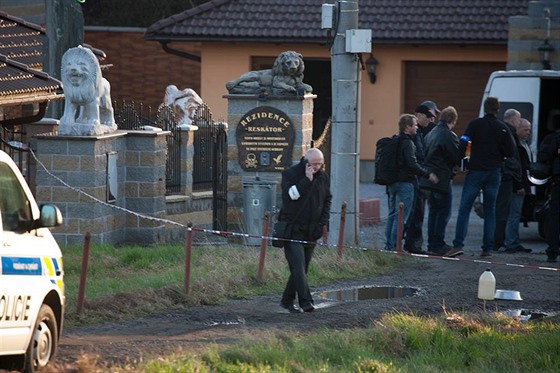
[210,163]
[165,119]
[210,152]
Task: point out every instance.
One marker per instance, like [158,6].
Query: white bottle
[486,285]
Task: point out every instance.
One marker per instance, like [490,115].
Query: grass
[123,283]
[398,342]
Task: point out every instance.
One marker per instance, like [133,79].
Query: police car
[31,274]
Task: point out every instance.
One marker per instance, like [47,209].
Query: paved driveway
[375,235]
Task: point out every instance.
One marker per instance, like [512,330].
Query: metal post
[264,242]
[346,77]
[400,228]
[188,256]
[83,273]
[341,229]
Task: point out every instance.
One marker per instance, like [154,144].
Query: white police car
[31,275]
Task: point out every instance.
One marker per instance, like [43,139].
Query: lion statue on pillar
[285,78]
[87,96]
[184,103]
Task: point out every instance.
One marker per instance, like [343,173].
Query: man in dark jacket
[520,192]
[404,189]
[441,156]
[491,143]
[306,204]
[510,179]
[425,114]
[549,154]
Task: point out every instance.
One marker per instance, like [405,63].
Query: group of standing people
[496,158]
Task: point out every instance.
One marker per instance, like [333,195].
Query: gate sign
[265,139]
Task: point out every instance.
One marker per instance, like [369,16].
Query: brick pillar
[298,109]
[82,162]
[145,185]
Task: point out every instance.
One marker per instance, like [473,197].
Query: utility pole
[345,139]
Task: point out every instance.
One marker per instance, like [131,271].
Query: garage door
[458,84]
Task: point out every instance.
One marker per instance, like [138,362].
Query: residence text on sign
[265,139]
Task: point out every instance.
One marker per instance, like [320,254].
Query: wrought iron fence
[210,162]
[210,151]
[132,116]
[165,119]
[13,141]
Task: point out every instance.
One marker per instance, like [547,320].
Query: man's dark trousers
[298,256]
[553,227]
[502,211]
[439,206]
[413,239]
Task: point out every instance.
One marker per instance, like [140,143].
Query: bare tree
[133,13]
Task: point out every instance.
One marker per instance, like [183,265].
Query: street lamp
[371,66]
[544,50]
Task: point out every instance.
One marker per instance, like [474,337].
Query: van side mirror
[50,216]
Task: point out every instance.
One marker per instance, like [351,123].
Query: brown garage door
[459,84]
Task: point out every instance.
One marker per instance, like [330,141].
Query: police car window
[15,208]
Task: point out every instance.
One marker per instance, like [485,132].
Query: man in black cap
[413,233]
[432,107]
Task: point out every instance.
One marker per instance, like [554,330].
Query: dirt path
[443,284]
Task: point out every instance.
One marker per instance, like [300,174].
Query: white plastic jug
[486,285]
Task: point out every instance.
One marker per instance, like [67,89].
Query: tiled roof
[21,41]
[20,84]
[299,21]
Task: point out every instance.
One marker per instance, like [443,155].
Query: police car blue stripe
[22,266]
[55,262]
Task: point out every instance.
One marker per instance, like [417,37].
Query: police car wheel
[43,344]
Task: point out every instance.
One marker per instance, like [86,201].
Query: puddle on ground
[528,315]
[369,292]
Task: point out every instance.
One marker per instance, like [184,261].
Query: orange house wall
[382,102]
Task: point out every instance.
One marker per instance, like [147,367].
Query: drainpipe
[189,56]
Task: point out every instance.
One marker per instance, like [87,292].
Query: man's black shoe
[308,308]
[414,250]
[522,249]
[291,308]
[551,259]
[510,250]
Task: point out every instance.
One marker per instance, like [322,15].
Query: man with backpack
[406,168]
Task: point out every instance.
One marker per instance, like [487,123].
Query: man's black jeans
[298,256]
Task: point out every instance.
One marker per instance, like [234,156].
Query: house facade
[441,50]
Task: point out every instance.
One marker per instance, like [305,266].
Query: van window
[14,205]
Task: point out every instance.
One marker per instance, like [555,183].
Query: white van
[536,95]
[31,275]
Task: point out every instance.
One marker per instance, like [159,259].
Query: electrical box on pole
[327,14]
[358,41]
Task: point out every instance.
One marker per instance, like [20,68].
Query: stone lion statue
[87,95]
[285,77]
[184,103]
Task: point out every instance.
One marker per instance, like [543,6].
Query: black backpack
[387,160]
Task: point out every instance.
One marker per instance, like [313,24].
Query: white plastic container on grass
[486,285]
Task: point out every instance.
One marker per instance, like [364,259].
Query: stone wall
[81,191]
